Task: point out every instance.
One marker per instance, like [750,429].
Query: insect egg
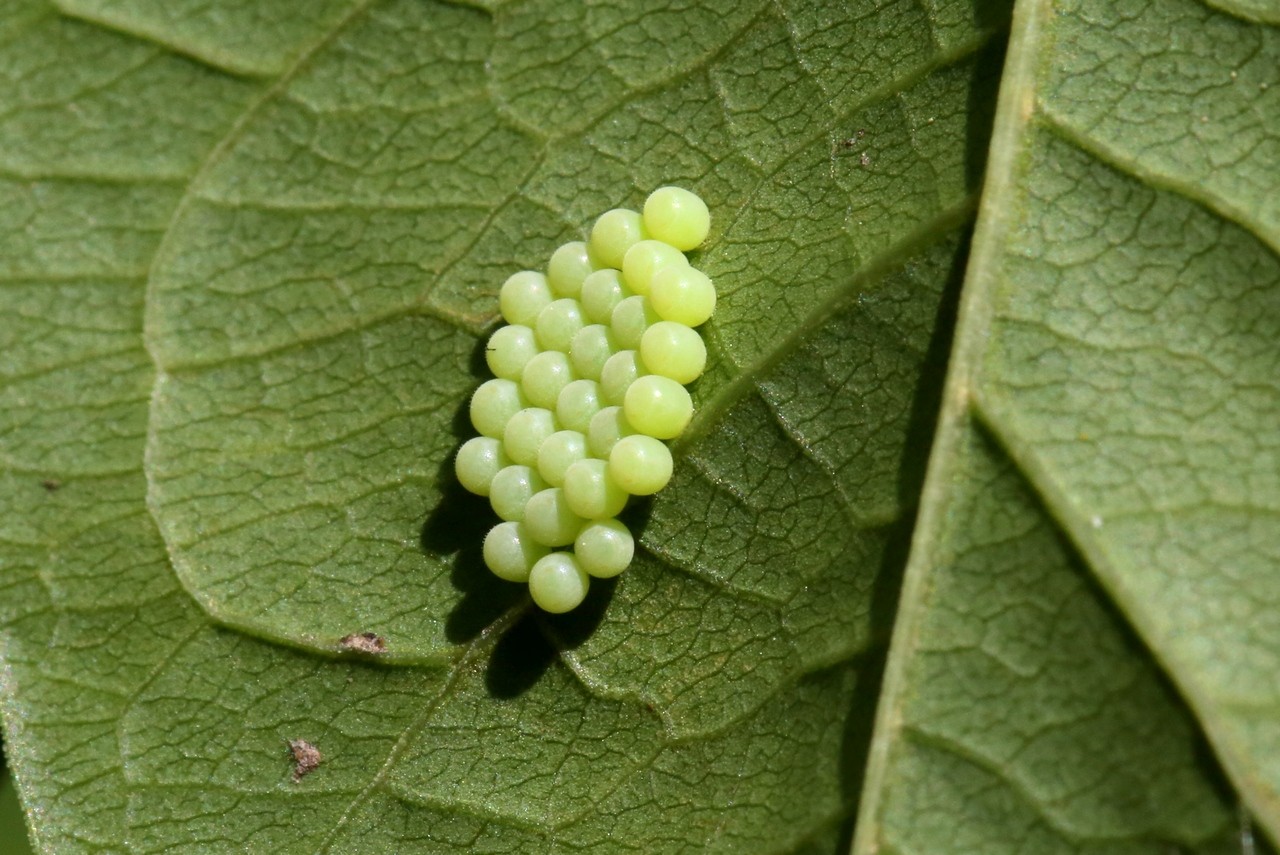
[568,267]
[525,433]
[614,233]
[645,259]
[558,323]
[683,294]
[658,406]
[607,427]
[591,349]
[591,492]
[601,292]
[558,583]
[640,464]
[618,374]
[523,295]
[493,405]
[558,452]
[509,349]
[630,319]
[550,520]
[479,460]
[578,402]
[544,376]
[675,215]
[604,548]
[511,490]
[510,551]
[673,350]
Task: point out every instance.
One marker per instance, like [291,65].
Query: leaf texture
[1112,406]
[249,333]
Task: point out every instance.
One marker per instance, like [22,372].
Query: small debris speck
[865,159]
[1095,521]
[306,757]
[364,642]
[51,484]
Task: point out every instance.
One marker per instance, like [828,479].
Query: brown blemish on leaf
[364,642]
[306,757]
[51,484]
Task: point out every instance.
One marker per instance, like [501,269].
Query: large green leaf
[318,254]
[1116,354]
[250,255]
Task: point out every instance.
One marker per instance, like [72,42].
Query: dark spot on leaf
[369,643]
[51,484]
[306,758]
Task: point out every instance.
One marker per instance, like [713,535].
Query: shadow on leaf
[519,659]
[454,533]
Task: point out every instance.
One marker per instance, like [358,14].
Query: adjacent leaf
[320,254]
[1118,343]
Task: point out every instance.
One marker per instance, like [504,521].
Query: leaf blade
[1030,223]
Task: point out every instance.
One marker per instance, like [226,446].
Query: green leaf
[250,257]
[1111,405]
[319,254]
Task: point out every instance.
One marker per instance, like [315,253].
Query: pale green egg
[606,428]
[604,548]
[544,376]
[510,551]
[673,350]
[509,349]
[568,267]
[619,372]
[677,216]
[525,433]
[640,464]
[479,460]
[591,492]
[684,295]
[493,405]
[560,451]
[557,583]
[613,234]
[558,323]
[658,406]
[630,319]
[591,349]
[511,490]
[523,295]
[550,520]
[644,261]
[601,292]
[578,402]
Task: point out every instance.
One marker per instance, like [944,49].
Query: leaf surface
[253,327]
[1111,408]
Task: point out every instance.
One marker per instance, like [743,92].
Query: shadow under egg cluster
[590,373]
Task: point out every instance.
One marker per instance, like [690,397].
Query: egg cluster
[590,373]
